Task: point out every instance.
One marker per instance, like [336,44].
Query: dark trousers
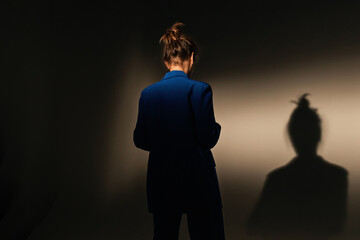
[202,225]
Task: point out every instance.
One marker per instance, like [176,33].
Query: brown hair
[176,46]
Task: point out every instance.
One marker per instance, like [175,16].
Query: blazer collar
[175,73]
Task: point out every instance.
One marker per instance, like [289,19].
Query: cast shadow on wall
[308,196]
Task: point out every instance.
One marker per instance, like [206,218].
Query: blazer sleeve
[207,129]
[140,135]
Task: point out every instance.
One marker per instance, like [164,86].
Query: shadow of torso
[307,197]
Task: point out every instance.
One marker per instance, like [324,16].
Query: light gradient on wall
[253,109]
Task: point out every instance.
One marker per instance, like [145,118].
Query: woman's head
[304,127]
[178,49]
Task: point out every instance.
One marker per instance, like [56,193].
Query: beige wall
[253,109]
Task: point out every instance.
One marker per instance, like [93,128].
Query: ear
[167,65]
[192,58]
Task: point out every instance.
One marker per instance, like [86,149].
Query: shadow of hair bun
[303,102]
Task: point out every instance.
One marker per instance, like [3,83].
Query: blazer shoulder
[200,85]
[197,86]
[149,89]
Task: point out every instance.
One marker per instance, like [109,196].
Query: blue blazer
[176,124]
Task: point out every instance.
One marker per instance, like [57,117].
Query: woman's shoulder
[195,85]
[200,85]
[151,88]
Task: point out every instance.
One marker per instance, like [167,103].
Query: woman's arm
[140,136]
[207,129]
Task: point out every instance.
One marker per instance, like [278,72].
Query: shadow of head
[304,128]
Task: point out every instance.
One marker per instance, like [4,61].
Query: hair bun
[176,30]
[178,47]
